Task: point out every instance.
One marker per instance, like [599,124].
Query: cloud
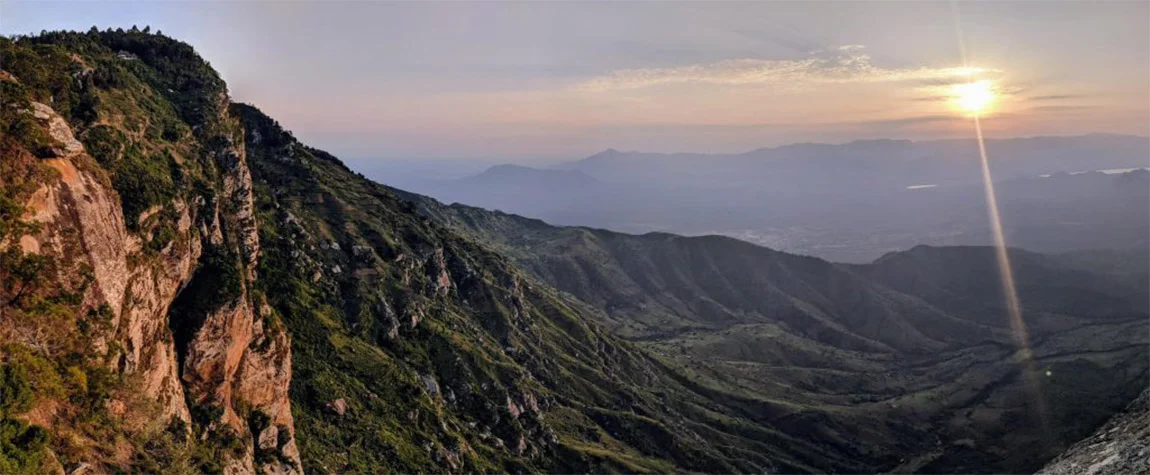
[845,64]
[1060,108]
[1055,97]
[926,119]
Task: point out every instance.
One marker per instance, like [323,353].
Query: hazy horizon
[531,83]
[544,162]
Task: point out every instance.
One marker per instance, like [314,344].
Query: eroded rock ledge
[1120,447]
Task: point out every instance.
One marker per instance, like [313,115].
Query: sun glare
[973,97]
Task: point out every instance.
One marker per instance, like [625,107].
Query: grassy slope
[493,336]
[918,338]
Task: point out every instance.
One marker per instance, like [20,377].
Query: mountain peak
[520,175]
[609,153]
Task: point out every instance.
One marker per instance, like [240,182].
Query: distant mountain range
[870,164]
[851,202]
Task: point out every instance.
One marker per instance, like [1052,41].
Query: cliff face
[80,224]
[188,355]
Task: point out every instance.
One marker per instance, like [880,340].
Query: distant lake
[1108,171]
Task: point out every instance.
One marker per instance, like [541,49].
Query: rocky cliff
[184,355]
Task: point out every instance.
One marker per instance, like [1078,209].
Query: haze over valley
[852,202]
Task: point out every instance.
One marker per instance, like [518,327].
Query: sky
[545,81]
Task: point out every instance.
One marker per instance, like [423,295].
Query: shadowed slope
[918,338]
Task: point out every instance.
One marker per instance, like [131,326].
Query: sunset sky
[548,81]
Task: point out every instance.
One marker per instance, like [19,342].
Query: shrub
[21,447]
[16,394]
[104,143]
[142,182]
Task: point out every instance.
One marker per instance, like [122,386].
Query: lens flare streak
[1006,275]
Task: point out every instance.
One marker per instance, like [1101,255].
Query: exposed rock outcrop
[235,361]
[81,225]
[338,406]
[1120,447]
[234,358]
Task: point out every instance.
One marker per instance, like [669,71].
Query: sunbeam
[1009,290]
[1018,329]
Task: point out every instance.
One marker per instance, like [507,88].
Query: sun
[973,97]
